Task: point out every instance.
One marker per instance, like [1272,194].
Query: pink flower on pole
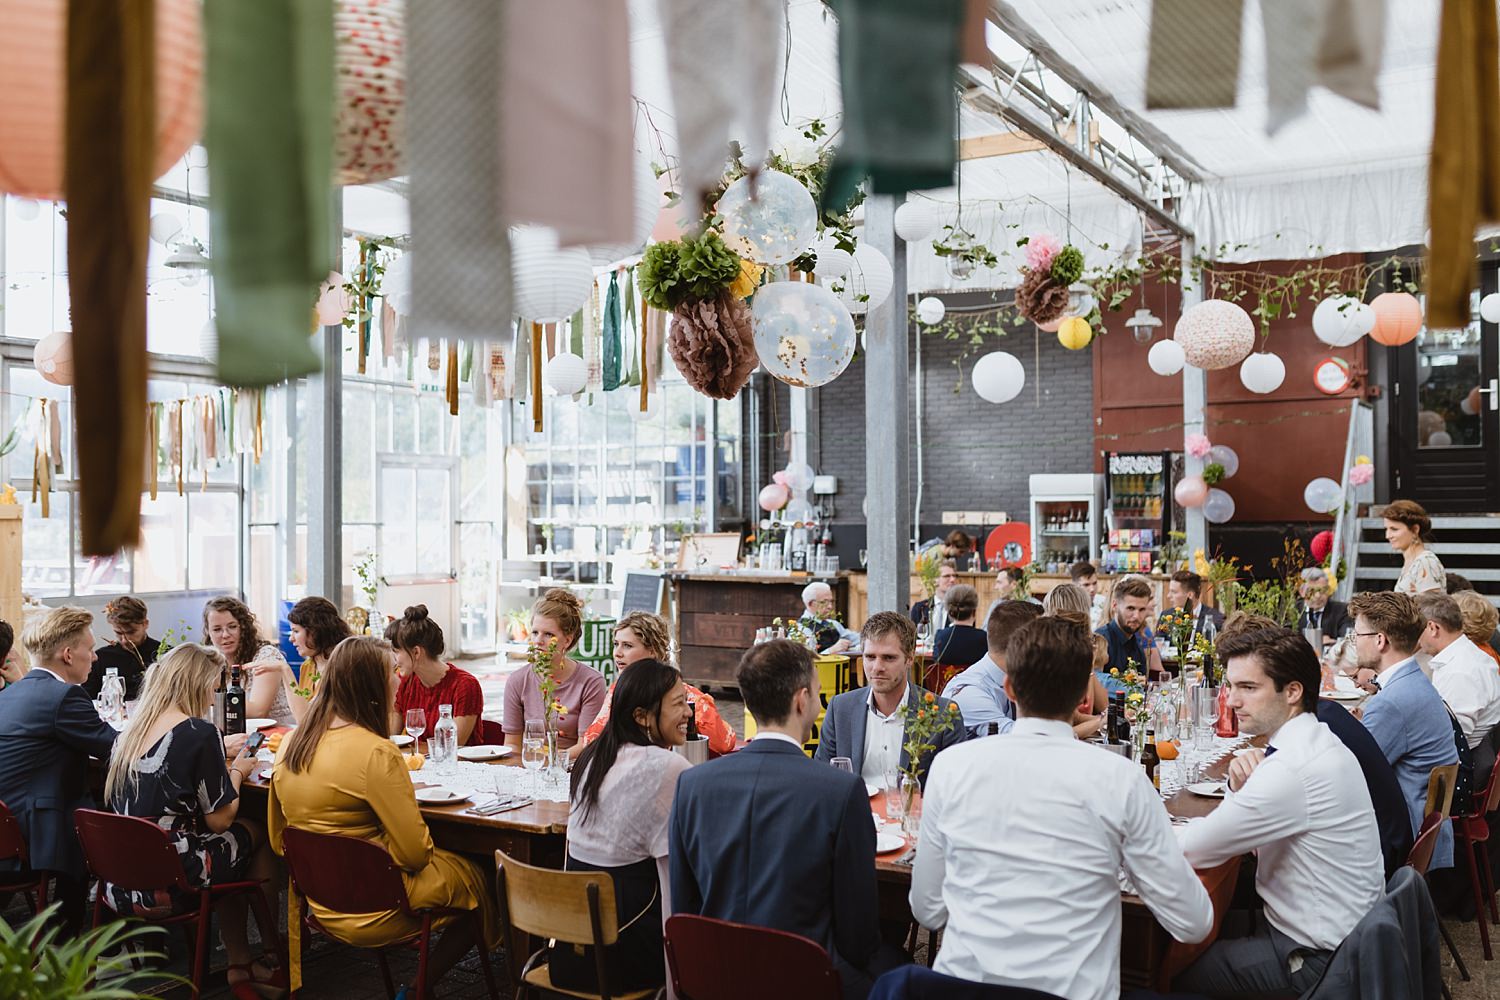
[1040,250]
[1359,475]
[1198,445]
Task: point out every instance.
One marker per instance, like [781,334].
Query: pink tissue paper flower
[1040,250]
[1198,445]
[1359,475]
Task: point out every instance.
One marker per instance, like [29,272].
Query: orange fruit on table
[1166,750]
[414,762]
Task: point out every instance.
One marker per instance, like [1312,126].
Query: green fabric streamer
[466,363]
[269,134]
[612,334]
[898,60]
[575,333]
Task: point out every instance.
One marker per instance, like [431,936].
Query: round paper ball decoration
[773,496]
[549,283]
[1215,334]
[565,374]
[333,300]
[1341,320]
[1226,456]
[1398,318]
[832,262]
[1263,373]
[1190,491]
[33,36]
[1323,495]
[53,357]
[868,282]
[803,334]
[1321,545]
[998,377]
[799,477]
[164,226]
[1074,333]
[1218,506]
[1166,357]
[774,224]
[653,407]
[918,219]
[930,311]
[1489,308]
[395,284]
[369,39]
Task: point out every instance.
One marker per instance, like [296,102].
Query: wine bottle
[692,732]
[234,704]
[1150,759]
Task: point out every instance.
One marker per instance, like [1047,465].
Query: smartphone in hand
[254,743]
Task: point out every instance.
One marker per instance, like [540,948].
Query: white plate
[402,740]
[482,753]
[1208,789]
[254,725]
[889,842]
[437,796]
[1344,695]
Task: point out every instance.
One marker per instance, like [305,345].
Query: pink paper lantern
[1215,334]
[1052,325]
[1191,491]
[370,80]
[53,358]
[1398,318]
[773,496]
[32,73]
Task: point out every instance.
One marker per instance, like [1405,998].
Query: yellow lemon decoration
[1075,333]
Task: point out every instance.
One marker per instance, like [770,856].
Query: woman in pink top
[557,616]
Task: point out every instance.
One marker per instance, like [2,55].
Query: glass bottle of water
[442,748]
[112,696]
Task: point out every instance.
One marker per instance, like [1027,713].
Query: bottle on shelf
[234,704]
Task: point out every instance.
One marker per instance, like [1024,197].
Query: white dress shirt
[883,737]
[1467,679]
[1306,813]
[1023,839]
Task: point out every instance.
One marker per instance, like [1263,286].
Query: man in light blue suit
[1407,716]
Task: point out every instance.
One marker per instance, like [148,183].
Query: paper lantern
[832,262]
[868,282]
[1321,545]
[1440,439]
[1215,334]
[333,300]
[772,223]
[1341,320]
[395,284]
[208,340]
[1226,456]
[165,226]
[930,311]
[1190,491]
[918,219]
[803,334]
[548,283]
[773,496]
[33,34]
[1262,373]
[1489,308]
[1218,506]
[53,357]
[565,374]
[653,406]
[998,377]
[799,477]
[1075,333]
[369,140]
[1051,326]
[1323,495]
[1398,318]
[1166,357]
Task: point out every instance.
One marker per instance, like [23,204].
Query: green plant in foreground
[35,965]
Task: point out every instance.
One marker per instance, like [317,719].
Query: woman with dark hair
[428,682]
[622,791]
[317,627]
[230,626]
[1408,529]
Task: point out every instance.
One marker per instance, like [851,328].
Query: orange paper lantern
[1398,318]
[33,34]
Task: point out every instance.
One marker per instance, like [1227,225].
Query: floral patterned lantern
[1215,334]
[370,77]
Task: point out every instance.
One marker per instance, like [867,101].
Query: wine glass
[533,750]
[416,725]
[924,632]
[845,764]
[864,558]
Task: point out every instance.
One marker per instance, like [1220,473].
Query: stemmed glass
[533,751]
[416,725]
[924,632]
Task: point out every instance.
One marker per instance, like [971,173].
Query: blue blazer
[48,731]
[1409,721]
[1385,791]
[848,714]
[766,836]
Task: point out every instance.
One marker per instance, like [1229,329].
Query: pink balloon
[773,497]
[1191,491]
[779,477]
[333,301]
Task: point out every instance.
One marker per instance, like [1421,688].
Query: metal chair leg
[1458,960]
[385,974]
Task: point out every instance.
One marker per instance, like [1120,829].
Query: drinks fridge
[1138,510]
[1064,520]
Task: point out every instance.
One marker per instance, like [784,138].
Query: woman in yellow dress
[339,773]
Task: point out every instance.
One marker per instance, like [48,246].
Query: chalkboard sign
[642,593]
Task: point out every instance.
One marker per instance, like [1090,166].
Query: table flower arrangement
[543,663]
[921,727]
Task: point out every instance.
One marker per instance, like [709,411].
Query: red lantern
[1398,318]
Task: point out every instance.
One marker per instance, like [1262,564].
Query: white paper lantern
[1489,308]
[1166,357]
[1341,320]
[653,406]
[369,140]
[1218,507]
[549,283]
[777,224]
[565,374]
[999,377]
[1215,334]
[799,476]
[53,357]
[832,262]
[930,311]
[803,334]
[1262,373]
[918,219]
[208,340]
[395,284]
[1440,439]
[868,282]
[164,226]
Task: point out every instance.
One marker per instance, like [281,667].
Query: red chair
[717,960]
[13,848]
[138,856]
[350,875]
[1473,829]
[490,732]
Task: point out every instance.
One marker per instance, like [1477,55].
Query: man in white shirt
[1299,804]
[1462,672]
[1024,838]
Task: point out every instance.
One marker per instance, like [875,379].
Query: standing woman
[1408,529]
[427,682]
[230,625]
[556,618]
[317,627]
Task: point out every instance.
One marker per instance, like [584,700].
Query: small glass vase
[911,807]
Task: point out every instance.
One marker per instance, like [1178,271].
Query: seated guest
[1123,632]
[317,627]
[48,731]
[428,682]
[641,635]
[959,643]
[12,660]
[1296,805]
[168,767]
[828,632]
[980,690]
[958,544]
[1029,893]
[1480,619]
[1406,716]
[621,800]
[932,611]
[230,626]
[1071,603]
[866,724]
[1184,590]
[339,773]
[131,652]
[1319,610]
[557,623]
[1083,574]
[766,836]
[1462,674]
[1009,585]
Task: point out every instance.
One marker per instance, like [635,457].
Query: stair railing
[1346,528]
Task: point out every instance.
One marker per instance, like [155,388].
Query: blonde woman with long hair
[1071,602]
[168,767]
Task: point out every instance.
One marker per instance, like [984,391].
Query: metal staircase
[1466,543]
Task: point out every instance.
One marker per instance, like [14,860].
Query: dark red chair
[351,875]
[490,732]
[1473,828]
[138,856]
[13,848]
[717,960]
[1420,858]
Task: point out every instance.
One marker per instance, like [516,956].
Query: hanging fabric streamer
[388,322]
[46,431]
[635,320]
[451,388]
[536,378]
[611,379]
[643,376]
[1194,53]
[153,447]
[593,363]
[466,365]
[575,334]
[498,375]
[520,359]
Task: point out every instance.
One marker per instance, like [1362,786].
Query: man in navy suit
[768,837]
[48,731]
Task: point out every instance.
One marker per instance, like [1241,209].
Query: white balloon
[998,377]
[1262,373]
[164,226]
[565,374]
[803,334]
[1166,357]
[868,282]
[395,284]
[549,283]
[1489,308]
[832,262]
[1341,320]
[774,225]
[799,476]
[1440,439]
[1218,507]
[1226,456]
[930,311]
[28,209]
[918,219]
[1323,495]
[797,510]
[797,149]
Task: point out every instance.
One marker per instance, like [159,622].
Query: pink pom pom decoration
[1359,475]
[1198,445]
[1040,250]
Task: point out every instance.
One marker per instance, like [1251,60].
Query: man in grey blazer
[866,725]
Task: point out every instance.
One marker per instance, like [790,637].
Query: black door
[1446,434]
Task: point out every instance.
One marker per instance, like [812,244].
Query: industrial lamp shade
[1215,334]
[53,358]
[549,283]
[33,36]
[1398,318]
[370,77]
[1074,333]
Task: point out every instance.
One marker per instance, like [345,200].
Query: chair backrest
[576,907]
[132,853]
[1420,856]
[764,961]
[1489,800]
[1440,783]
[916,982]
[343,874]
[491,732]
[12,840]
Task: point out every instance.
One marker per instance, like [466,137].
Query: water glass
[893,795]
[1205,716]
[533,756]
[845,764]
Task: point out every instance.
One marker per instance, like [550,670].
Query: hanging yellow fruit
[1075,333]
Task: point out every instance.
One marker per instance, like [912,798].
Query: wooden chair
[138,856]
[1440,783]
[490,732]
[1474,830]
[13,848]
[352,875]
[718,960]
[572,907]
[1420,859]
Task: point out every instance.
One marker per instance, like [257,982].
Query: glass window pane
[404,422]
[1449,375]
[213,541]
[433,421]
[26,385]
[434,522]
[161,560]
[359,539]
[35,253]
[96,575]
[358,455]
[398,515]
[261,587]
[45,547]
[477,587]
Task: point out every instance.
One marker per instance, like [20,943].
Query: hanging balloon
[53,357]
[1398,318]
[799,477]
[998,377]
[918,219]
[565,374]
[1215,334]
[798,510]
[1262,373]
[1166,357]
[1225,456]
[1218,506]
[333,300]
[1489,308]
[1323,495]
[779,476]
[774,224]
[832,262]
[1190,491]
[550,283]
[930,311]
[395,284]
[868,282]
[803,334]
[1074,333]
[1341,320]
[1470,403]
[773,496]
[1321,545]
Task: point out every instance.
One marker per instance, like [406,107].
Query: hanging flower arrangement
[704,284]
[1049,271]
